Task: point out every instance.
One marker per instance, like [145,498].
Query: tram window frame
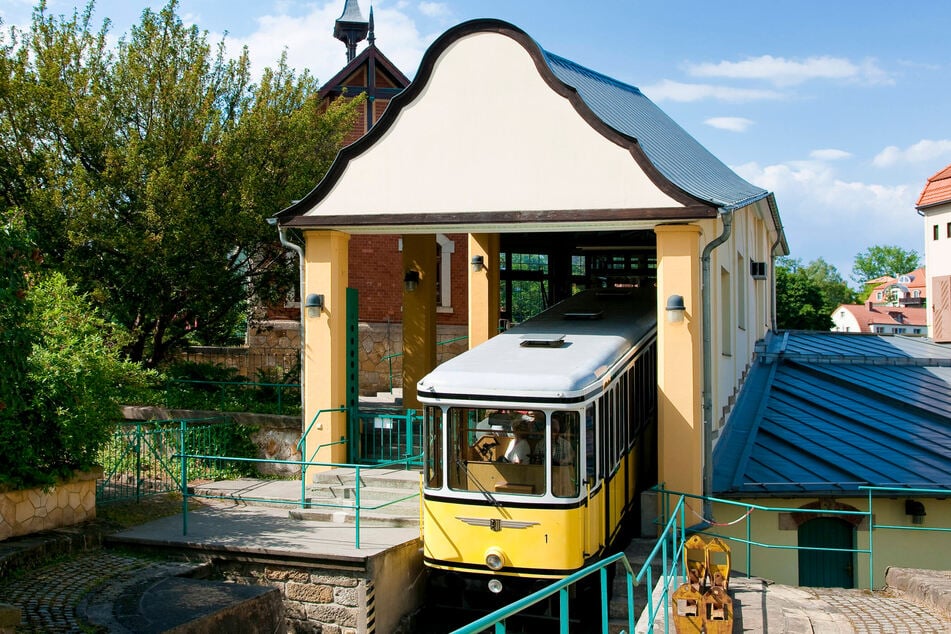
[592,463]
[434,450]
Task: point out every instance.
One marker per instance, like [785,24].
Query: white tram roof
[561,354]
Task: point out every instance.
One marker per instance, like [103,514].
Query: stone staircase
[388,497]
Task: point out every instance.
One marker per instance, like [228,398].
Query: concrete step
[382,478]
[367,517]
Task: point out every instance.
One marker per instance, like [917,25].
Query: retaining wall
[67,503]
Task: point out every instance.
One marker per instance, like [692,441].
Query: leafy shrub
[71,392]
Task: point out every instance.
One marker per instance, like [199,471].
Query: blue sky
[839,107]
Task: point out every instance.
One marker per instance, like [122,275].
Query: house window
[740,292]
[726,317]
[444,250]
[916,293]
[949,229]
[878,295]
[934,232]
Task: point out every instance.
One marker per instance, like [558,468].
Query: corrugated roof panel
[869,411]
[676,154]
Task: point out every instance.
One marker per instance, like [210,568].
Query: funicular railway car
[538,443]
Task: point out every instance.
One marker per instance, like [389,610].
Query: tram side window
[565,446]
[590,450]
[433,447]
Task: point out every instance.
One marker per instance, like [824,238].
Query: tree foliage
[61,376]
[149,169]
[881,260]
[807,295]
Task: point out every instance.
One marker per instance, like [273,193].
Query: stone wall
[343,601]
[67,503]
[273,350]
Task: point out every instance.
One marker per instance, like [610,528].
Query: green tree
[807,295]
[149,169]
[880,260]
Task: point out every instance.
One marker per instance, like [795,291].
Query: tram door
[595,510]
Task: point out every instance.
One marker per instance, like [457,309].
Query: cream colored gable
[487,134]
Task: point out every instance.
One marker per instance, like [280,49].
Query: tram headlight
[495,586]
[495,559]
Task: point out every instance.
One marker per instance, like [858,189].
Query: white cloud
[835,219]
[788,72]
[923,151]
[434,9]
[829,154]
[310,45]
[733,124]
[669,90]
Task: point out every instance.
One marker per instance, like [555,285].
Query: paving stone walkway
[49,595]
[882,612]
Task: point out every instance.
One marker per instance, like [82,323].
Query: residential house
[934,205]
[881,319]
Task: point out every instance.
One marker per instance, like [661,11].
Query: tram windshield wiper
[482,489]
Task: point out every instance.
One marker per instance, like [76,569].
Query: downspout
[282,232]
[727,217]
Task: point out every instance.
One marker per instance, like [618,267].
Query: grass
[117,516]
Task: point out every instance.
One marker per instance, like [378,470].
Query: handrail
[302,447]
[389,357]
[867,514]
[357,507]
[673,532]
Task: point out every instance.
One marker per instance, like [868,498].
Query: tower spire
[371,38]
[350,28]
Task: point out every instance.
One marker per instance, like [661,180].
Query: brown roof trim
[333,84]
[422,78]
[506,217]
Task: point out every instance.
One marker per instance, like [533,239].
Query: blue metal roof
[676,154]
[826,413]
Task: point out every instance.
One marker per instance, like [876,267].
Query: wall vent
[542,341]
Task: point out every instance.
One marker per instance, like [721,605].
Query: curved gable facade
[488,135]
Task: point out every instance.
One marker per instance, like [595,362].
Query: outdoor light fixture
[411,280]
[314,304]
[478,263]
[916,509]
[675,309]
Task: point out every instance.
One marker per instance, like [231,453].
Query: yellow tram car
[537,445]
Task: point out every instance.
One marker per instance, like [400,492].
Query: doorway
[827,568]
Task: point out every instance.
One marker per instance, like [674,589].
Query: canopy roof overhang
[497,135]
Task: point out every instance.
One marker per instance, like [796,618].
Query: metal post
[871,550]
[356,500]
[303,469]
[184,481]
[138,461]
[749,546]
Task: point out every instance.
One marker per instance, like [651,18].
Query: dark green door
[825,568]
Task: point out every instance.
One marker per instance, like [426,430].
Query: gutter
[296,248]
[707,398]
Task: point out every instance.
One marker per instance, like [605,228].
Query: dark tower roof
[350,28]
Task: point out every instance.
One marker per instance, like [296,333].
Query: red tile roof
[867,317]
[937,191]
[917,281]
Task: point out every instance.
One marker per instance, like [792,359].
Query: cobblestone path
[49,594]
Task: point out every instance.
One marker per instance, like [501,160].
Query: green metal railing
[669,547]
[868,515]
[356,507]
[389,357]
[386,436]
[139,459]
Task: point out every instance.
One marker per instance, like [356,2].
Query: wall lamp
[675,309]
[411,280]
[478,263]
[314,304]
[916,509]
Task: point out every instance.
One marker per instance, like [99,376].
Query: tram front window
[510,451]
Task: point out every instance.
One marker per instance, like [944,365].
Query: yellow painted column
[419,314]
[324,365]
[679,362]
[483,288]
